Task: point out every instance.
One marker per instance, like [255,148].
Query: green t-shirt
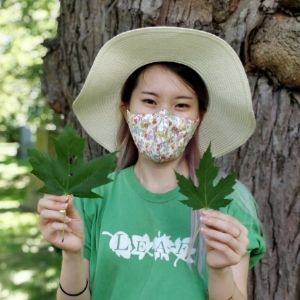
[136,242]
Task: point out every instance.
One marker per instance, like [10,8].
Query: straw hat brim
[229,120]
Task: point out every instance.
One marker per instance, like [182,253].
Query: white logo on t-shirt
[161,247]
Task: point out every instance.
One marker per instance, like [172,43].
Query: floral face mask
[161,136]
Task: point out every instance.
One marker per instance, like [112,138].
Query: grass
[29,266]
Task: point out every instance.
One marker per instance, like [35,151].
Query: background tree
[29,268]
[24,25]
[266,36]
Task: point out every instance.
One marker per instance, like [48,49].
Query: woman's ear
[123,108]
[201,116]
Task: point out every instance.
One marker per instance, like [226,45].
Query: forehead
[160,76]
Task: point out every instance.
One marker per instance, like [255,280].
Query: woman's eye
[149,101]
[182,105]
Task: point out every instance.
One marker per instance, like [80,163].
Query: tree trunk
[266,35]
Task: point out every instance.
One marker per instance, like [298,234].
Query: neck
[159,177]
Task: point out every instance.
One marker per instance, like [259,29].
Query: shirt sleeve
[79,204]
[244,208]
[88,210]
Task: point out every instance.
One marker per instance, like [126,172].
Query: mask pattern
[161,136]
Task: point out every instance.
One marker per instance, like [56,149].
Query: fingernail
[68,220]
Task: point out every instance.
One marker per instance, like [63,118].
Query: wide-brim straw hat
[229,120]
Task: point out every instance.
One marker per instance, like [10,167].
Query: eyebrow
[156,95]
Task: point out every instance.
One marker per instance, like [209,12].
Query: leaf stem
[64,211]
[65,217]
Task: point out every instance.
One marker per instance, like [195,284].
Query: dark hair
[187,74]
[128,151]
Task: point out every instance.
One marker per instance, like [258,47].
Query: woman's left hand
[226,238]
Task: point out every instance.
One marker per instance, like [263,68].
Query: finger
[233,257]
[46,203]
[58,226]
[226,217]
[236,245]
[61,198]
[53,228]
[54,215]
[222,216]
[71,210]
[219,215]
[225,225]
[242,239]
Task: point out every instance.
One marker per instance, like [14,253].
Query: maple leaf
[208,194]
[68,173]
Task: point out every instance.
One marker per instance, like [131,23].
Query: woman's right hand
[64,232]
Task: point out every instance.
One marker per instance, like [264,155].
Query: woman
[180,89]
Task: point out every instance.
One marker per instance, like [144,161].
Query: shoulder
[116,180]
[242,201]
[90,207]
[243,207]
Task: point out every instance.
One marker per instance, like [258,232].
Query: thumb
[71,210]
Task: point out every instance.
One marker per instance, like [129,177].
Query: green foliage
[13,174]
[69,173]
[29,267]
[24,25]
[207,194]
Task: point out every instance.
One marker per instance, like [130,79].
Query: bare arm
[74,273]
[228,262]
[229,283]
[65,231]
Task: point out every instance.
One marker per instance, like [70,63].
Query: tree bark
[269,163]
